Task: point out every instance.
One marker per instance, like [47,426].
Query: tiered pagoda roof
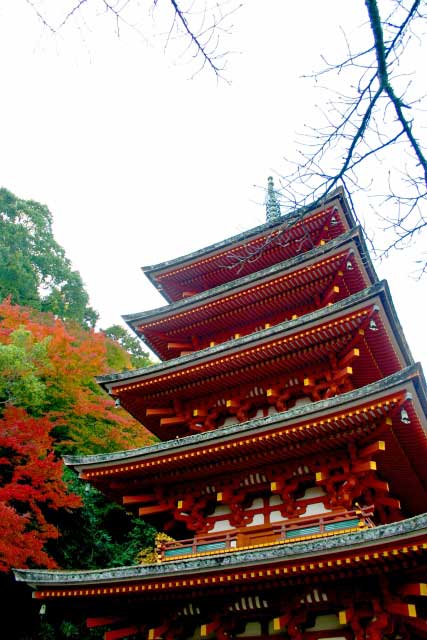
[293,438]
[278,240]
[327,273]
[372,410]
[367,550]
[366,321]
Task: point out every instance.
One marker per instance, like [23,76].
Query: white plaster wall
[251,629]
[257,519]
[230,420]
[315,509]
[313,492]
[221,525]
[302,401]
[327,622]
[257,503]
[276,516]
[221,510]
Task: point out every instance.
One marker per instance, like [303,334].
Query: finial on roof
[272,205]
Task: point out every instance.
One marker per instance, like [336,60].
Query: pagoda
[291,469]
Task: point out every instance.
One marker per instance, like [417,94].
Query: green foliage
[20,360]
[129,343]
[34,270]
[49,368]
[100,534]
[65,629]
[48,363]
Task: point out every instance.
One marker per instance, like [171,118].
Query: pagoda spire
[272,205]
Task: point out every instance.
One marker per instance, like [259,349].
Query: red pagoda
[291,467]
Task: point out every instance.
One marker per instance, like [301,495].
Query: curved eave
[158,271]
[368,547]
[219,354]
[409,380]
[153,326]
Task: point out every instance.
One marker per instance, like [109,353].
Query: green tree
[19,361]
[49,368]
[34,269]
[100,534]
[129,343]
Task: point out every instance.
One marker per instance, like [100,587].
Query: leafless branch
[199,27]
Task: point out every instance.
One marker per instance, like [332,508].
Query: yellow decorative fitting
[276,624]
[180,504]
[219,496]
[342,617]
[412,611]
[319,476]
[273,486]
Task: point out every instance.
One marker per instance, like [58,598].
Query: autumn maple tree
[61,362]
[31,486]
[50,403]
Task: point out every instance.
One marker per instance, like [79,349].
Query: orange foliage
[81,413]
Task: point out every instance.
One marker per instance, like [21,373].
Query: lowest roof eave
[365,539]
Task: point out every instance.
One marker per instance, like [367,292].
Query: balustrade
[290,530]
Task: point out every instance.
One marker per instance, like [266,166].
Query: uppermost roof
[280,238]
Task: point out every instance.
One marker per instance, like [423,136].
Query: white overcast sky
[140,163]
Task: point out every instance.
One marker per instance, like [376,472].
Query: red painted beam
[402,609]
[161,411]
[414,589]
[91,623]
[172,421]
[142,497]
[158,508]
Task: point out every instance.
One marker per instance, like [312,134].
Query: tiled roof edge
[296,413]
[277,553]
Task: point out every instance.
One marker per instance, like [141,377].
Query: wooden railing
[288,531]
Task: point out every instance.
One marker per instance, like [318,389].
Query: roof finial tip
[272,204]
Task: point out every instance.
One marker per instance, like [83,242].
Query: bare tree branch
[200,31]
